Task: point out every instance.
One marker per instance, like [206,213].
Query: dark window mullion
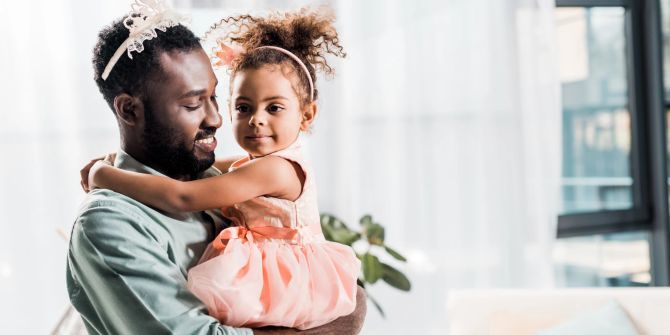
[592,3]
[593,223]
[639,155]
[649,47]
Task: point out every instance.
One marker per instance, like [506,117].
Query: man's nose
[212,116]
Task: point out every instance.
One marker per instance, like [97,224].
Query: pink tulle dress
[273,266]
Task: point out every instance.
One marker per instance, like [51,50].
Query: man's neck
[141,156]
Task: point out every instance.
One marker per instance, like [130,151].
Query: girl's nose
[257,119]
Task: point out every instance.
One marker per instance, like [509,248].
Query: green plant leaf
[327,231]
[395,278]
[352,238]
[366,219]
[332,221]
[335,230]
[395,254]
[374,232]
[344,236]
[374,302]
[372,268]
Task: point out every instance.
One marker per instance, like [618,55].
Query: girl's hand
[89,169]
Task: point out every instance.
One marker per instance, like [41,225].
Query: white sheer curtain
[52,119]
[443,123]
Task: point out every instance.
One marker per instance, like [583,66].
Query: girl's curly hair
[308,34]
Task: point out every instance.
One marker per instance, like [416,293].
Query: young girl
[272,266]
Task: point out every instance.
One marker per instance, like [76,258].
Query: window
[616,259]
[614,212]
[596,115]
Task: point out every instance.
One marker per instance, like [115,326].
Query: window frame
[647,108]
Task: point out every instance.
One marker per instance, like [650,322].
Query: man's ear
[308,115]
[129,109]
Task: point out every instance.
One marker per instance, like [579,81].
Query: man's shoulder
[107,202]
[105,213]
[104,197]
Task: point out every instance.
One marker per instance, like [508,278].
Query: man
[127,262]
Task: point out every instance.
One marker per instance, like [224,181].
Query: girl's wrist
[95,170]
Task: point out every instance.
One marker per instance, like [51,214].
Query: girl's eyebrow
[274,97]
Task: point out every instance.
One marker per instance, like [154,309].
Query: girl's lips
[257,138]
[206,145]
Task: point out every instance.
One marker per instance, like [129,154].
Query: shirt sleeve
[122,280]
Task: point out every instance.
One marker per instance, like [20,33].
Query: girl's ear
[308,115]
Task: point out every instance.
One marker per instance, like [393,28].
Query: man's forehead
[186,70]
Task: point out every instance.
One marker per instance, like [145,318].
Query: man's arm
[122,281]
[347,325]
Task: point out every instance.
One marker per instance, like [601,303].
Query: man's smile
[206,144]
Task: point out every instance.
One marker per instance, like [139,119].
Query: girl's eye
[242,108]
[275,108]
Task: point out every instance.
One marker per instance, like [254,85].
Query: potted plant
[369,241]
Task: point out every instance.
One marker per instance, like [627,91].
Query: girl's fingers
[83,173]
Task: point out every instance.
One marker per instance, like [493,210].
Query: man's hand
[347,325]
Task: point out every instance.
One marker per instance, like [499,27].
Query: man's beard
[167,150]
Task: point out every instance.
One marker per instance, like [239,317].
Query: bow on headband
[226,54]
[144,19]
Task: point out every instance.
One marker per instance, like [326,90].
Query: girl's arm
[224,163]
[271,175]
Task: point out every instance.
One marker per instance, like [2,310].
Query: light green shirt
[127,264]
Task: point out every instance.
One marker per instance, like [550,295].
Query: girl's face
[265,110]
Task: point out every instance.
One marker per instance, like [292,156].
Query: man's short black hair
[130,75]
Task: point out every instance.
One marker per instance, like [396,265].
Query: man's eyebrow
[192,93]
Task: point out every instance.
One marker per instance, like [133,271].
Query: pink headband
[227,55]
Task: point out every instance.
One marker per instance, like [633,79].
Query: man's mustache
[207,132]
